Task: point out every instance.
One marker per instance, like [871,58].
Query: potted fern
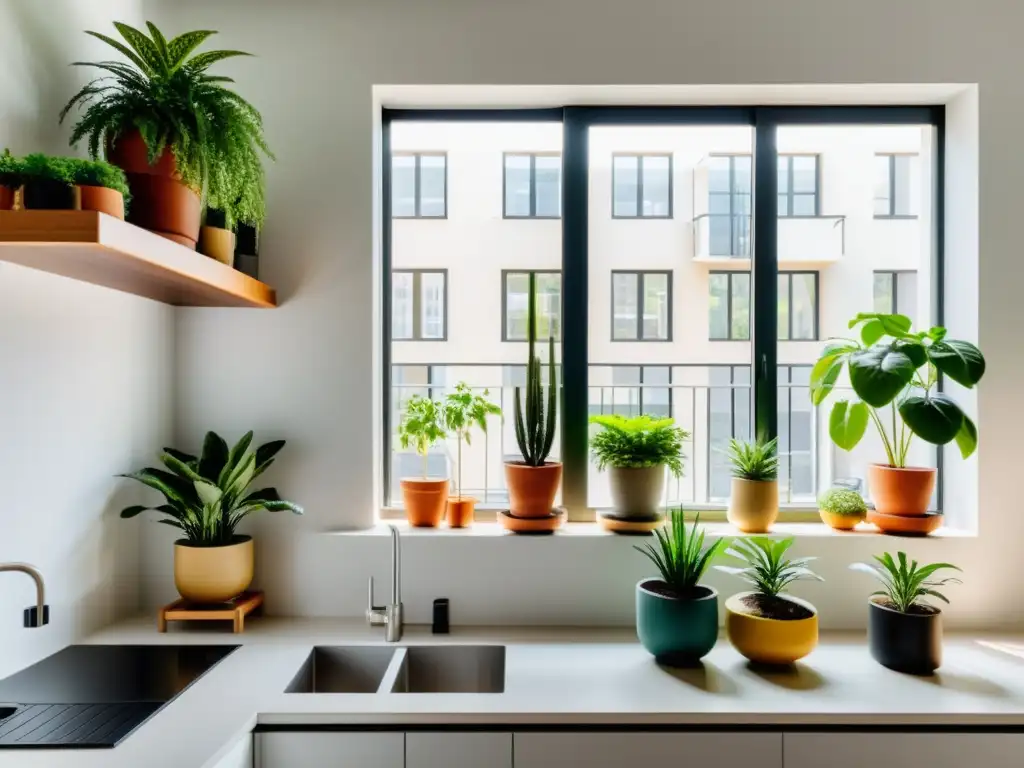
[533,482]
[764,624]
[10,179]
[48,183]
[754,497]
[636,451]
[206,497]
[842,508]
[904,630]
[676,615]
[422,425]
[464,410]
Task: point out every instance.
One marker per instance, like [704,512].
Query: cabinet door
[639,750]
[464,750]
[324,749]
[935,750]
[239,756]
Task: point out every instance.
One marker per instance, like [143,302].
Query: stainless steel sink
[451,669]
[342,670]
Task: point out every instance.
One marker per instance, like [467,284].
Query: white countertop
[569,676]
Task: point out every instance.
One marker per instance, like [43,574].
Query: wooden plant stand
[234,611]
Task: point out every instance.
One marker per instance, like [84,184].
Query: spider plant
[754,460]
[767,569]
[907,585]
[681,556]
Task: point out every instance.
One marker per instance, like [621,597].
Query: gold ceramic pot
[753,504]
[218,244]
[770,641]
[213,574]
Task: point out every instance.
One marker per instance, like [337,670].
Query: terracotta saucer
[630,525]
[548,524]
[917,525]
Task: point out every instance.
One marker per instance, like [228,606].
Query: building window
[893,186]
[419,305]
[729,306]
[729,205]
[515,298]
[798,185]
[419,185]
[798,306]
[533,186]
[642,186]
[895,292]
[641,306]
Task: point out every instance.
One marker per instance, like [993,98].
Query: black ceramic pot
[47,195]
[906,642]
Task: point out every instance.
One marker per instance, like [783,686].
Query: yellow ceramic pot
[770,641]
[753,504]
[213,574]
[218,244]
[840,522]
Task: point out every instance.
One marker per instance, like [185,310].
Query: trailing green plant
[535,427]
[907,585]
[164,91]
[755,459]
[637,442]
[207,496]
[11,170]
[681,556]
[895,374]
[422,425]
[97,173]
[842,501]
[48,168]
[766,567]
[463,410]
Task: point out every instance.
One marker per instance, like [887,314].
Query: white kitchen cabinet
[640,750]
[935,750]
[458,750]
[239,756]
[330,749]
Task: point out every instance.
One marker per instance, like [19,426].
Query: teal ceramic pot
[677,632]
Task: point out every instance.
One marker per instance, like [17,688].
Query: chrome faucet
[389,616]
[40,615]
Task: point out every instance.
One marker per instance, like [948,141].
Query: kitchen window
[642,186]
[533,186]
[419,185]
[419,305]
[515,305]
[641,306]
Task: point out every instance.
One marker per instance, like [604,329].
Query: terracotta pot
[129,153]
[636,491]
[218,244]
[425,500]
[461,510]
[213,574]
[108,201]
[48,195]
[6,198]
[901,491]
[532,490]
[753,504]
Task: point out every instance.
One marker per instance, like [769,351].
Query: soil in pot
[676,629]
[901,490]
[209,575]
[461,510]
[908,642]
[636,491]
[753,504]
[777,608]
[780,635]
[532,490]
[48,195]
[103,200]
[425,499]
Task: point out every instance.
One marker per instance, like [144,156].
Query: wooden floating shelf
[99,249]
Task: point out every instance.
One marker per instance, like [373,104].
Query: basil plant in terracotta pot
[206,497]
[422,426]
[894,373]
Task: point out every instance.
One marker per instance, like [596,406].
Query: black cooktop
[95,695]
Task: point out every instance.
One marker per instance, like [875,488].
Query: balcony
[724,240]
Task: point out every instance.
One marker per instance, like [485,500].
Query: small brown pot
[6,198]
[213,574]
[108,201]
[218,244]
[636,491]
[461,510]
[901,491]
[753,504]
[532,490]
[425,500]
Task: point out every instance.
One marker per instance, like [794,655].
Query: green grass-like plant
[637,442]
[767,569]
[907,585]
[11,170]
[754,460]
[422,425]
[463,410]
[681,557]
[207,496]
[843,501]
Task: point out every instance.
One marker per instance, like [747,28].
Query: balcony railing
[802,239]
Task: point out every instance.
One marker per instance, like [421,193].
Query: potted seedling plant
[636,451]
[464,410]
[10,179]
[676,615]
[49,183]
[894,373]
[904,630]
[754,496]
[766,625]
[842,508]
[533,482]
[423,425]
[101,187]
[206,497]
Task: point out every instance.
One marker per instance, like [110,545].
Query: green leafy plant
[893,367]
[97,173]
[535,428]
[164,91]
[907,585]
[767,569]
[637,442]
[422,425]
[681,556]
[207,496]
[11,170]
[843,501]
[754,460]
[48,168]
[463,410]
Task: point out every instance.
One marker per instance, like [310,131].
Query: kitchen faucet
[40,614]
[389,616]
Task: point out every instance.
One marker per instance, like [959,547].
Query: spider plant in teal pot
[676,615]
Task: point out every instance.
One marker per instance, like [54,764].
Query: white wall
[306,371]
[85,374]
